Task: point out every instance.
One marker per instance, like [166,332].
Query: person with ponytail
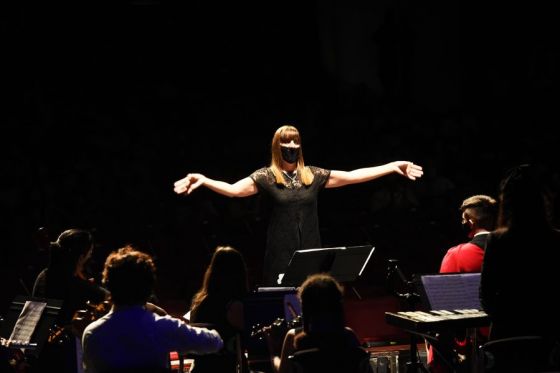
[66,279]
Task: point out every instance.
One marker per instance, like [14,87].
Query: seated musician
[131,337]
[323,323]
[219,303]
[478,216]
[65,278]
[519,279]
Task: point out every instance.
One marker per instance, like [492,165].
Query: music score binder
[345,264]
[449,291]
[41,326]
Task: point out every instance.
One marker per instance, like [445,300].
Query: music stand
[345,264]
[43,326]
[449,291]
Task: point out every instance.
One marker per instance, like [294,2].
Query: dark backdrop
[107,103]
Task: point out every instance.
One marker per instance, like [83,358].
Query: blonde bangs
[286,134]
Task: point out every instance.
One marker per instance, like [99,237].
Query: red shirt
[466,257]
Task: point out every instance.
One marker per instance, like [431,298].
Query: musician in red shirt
[478,214]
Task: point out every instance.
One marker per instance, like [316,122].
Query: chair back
[527,354]
[314,360]
[230,358]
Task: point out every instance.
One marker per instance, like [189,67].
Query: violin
[81,319]
[12,358]
[279,324]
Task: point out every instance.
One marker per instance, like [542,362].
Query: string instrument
[81,319]
[12,357]
[277,325]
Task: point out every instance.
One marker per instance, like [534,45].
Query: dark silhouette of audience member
[132,338]
[65,279]
[323,324]
[219,303]
[519,282]
[478,218]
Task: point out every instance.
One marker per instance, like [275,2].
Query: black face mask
[290,155]
[466,227]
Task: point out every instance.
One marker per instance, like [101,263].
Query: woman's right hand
[189,183]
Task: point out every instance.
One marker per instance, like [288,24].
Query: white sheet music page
[27,322]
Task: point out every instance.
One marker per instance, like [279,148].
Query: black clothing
[333,340]
[335,351]
[480,240]
[519,282]
[75,292]
[72,290]
[294,222]
[213,311]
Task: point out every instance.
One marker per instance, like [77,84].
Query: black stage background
[107,103]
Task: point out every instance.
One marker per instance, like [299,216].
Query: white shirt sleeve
[194,339]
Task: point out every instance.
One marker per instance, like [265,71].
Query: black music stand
[42,328]
[345,264]
[261,308]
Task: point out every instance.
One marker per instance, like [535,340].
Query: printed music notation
[27,322]
[452,291]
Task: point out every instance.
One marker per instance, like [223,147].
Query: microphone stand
[414,365]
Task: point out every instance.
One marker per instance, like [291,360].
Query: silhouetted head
[71,250]
[321,304]
[225,276]
[522,198]
[130,276]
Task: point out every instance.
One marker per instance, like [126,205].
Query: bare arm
[155,309]
[361,175]
[243,188]
[235,315]
[281,364]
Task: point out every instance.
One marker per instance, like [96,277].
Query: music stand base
[414,365]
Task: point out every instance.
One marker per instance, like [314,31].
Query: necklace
[292,178]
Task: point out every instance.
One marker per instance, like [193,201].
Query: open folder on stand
[345,264]
[28,323]
[449,291]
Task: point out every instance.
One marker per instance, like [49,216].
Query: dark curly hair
[130,276]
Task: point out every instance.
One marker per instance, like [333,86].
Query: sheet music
[452,291]
[27,322]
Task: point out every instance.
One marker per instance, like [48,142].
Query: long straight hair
[285,134]
[226,276]
[522,200]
